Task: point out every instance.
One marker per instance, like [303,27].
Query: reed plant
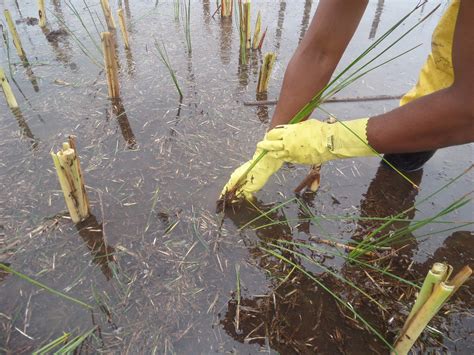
[187,24]
[163,55]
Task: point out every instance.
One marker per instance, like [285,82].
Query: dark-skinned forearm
[438,120]
[317,56]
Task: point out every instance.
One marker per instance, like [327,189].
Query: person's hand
[256,178]
[315,142]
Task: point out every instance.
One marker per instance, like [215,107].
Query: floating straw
[123,27]
[108,15]
[265,72]
[16,38]
[418,322]
[110,65]
[7,90]
[41,13]
[71,180]
[256,33]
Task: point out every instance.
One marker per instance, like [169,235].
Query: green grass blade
[43,286]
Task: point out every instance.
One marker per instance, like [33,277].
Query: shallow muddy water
[156,261]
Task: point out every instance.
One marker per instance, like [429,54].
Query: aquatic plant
[187,24]
[166,61]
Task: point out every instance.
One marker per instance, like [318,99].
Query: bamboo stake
[71,181]
[247,25]
[41,13]
[7,90]
[108,15]
[16,38]
[418,322]
[123,27]
[265,72]
[110,65]
[256,34]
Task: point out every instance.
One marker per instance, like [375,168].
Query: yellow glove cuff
[347,139]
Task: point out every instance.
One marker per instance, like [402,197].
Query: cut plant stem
[265,72]
[108,15]
[437,274]
[123,28]
[16,38]
[110,65]
[246,23]
[226,8]
[417,323]
[260,44]
[256,32]
[71,180]
[41,13]
[7,90]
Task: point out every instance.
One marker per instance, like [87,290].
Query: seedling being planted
[123,28]
[108,15]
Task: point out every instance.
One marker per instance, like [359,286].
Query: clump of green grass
[187,24]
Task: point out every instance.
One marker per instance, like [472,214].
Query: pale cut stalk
[41,13]
[7,90]
[16,38]
[461,277]
[108,15]
[419,322]
[72,144]
[265,72]
[256,33]
[123,28]
[247,26]
[66,188]
[437,274]
[68,158]
[71,181]
[226,8]
[110,65]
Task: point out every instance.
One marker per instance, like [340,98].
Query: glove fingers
[281,154]
[270,145]
[275,134]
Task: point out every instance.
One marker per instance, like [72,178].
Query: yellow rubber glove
[256,178]
[315,142]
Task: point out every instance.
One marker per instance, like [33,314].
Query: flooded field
[159,269]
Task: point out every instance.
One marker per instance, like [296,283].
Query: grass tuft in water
[166,61]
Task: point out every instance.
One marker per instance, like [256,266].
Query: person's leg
[408,161]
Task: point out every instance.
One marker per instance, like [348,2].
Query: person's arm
[441,119]
[317,56]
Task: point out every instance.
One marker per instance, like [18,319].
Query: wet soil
[155,260]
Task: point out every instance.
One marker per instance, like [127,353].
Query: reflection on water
[225,39]
[281,20]
[376,21]
[24,128]
[306,18]
[124,124]
[92,234]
